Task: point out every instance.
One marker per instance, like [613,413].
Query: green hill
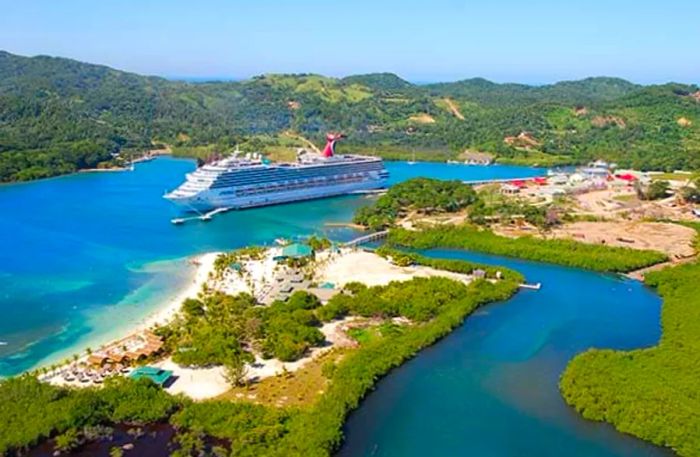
[59,115]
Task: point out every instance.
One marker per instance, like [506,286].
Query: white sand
[339,269]
[261,369]
[203,383]
[167,313]
[163,315]
[254,276]
[196,383]
[373,270]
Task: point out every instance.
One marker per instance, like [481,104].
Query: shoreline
[162,313]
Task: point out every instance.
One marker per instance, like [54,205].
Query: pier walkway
[496,181]
[205,217]
[367,238]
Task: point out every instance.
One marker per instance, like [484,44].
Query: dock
[204,217]
[479,182]
[367,238]
[536,286]
[369,192]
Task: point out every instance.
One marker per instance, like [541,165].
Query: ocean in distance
[85,257]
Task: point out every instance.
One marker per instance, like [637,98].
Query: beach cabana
[157,375]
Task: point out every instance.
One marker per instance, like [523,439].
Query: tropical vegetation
[58,115]
[33,411]
[563,252]
[422,195]
[651,393]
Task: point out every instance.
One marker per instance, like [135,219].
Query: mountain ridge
[58,115]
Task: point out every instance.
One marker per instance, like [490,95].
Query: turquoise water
[83,257]
[490,387]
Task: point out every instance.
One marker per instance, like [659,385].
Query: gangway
[204,217]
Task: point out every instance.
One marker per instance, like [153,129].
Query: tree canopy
[58,115]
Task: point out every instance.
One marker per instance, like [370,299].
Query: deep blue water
[490,387]
[84,256]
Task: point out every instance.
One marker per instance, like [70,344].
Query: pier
[479,182]
[536,286]
[367,238]
[204,217]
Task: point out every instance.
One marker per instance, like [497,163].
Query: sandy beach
[163,315]
[256,276]
[205,265]
[374,270]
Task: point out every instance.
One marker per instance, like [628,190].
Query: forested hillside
[58,115]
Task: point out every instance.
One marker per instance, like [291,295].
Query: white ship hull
[220,198]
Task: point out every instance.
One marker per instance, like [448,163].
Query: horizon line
[416,82]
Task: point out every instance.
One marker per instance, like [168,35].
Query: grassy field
[300,388]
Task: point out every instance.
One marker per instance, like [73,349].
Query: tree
[690,194]
[236,371]
[68,440]
[190,443]
[654,191]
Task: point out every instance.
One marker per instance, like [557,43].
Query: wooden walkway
[367,238]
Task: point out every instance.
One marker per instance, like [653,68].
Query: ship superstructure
[246,181]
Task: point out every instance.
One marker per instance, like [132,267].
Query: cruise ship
[247,181]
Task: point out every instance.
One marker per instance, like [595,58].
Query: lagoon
[490,387]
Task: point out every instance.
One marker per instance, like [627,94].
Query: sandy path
[453,108]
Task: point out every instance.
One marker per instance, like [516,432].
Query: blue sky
[535,41]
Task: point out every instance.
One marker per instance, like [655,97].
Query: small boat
[413,160]
[281,242]
[3,343]
[178,221]
[452,162]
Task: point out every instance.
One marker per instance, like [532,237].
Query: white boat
[413,160]
[249,181]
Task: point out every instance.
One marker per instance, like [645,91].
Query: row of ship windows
[277,174]
[369,165]
[281,187]
[227,182]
